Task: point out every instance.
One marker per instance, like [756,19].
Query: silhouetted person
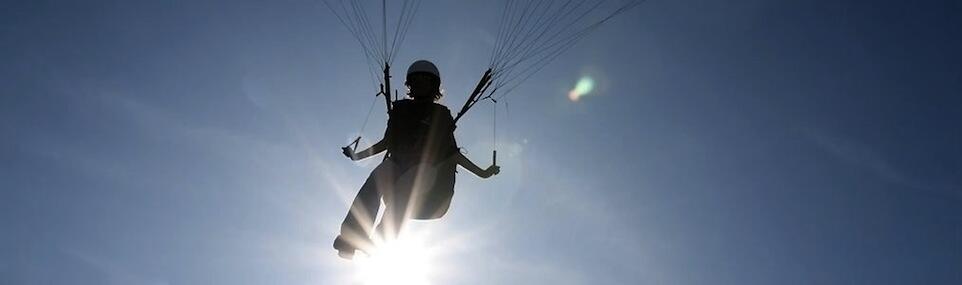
[416,180]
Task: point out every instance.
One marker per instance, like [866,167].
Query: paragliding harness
[435,200]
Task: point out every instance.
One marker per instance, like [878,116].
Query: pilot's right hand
[349,153]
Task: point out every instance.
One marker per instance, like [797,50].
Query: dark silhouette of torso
[420,132]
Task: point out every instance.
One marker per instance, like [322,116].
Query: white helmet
[424,66]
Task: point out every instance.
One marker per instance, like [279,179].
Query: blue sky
[726,142]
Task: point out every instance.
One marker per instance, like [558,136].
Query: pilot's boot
[347,245]
[344,248]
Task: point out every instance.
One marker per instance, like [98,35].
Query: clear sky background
[727,142]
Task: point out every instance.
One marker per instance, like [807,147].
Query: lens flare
[582,88]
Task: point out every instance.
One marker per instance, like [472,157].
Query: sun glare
[405,261]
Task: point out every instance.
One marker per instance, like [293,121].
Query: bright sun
[405,261]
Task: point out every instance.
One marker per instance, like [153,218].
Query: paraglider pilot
[416,179]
